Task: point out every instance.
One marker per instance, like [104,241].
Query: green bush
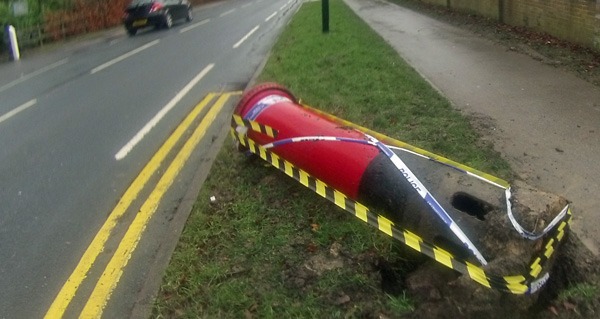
[32,18]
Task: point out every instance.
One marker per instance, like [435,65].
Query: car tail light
[156,7]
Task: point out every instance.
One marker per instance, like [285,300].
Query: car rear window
[142,2]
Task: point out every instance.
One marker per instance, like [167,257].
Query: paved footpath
[545,121]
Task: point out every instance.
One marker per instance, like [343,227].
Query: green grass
[250,253]
[400,304]
[245,252]
[352,73]
[583,292]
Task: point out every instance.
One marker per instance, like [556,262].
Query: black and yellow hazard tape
[237,120]
[394,142]
[515,284]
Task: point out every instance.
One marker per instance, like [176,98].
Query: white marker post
[13,42]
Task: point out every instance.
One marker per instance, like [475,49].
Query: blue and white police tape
[403,169]
[429,199]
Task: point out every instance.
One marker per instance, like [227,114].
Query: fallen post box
[459,216]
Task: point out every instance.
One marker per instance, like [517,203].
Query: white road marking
[283,7]
[115,41]
[235,46]
[123,57]
[271,16]
[195,25]
[17,110]
[226,13]
[152,123]
[32,74]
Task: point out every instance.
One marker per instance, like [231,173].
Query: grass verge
[267,247]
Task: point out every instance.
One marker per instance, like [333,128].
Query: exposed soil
[442,293]
[439,292]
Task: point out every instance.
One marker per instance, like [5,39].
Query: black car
[157,13]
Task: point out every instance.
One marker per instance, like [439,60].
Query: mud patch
[486,127]
[439,292]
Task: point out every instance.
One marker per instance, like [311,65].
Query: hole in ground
[471,205]
[394,272]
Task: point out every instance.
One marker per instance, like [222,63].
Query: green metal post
[325,10]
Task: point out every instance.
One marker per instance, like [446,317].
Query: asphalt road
[96,156]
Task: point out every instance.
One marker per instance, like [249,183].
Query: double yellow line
[110,277]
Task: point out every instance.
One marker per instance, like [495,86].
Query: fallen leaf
[248,313]
[314,227]
[569,306]
[342,299]
[334,250]
[537,246]
[553,310]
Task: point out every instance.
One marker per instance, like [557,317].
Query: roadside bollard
[13,43]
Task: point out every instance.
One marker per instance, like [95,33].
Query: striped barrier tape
[244,124]
[394,142]
[493,180]
[527,283]
[429,199]
[239,123]
[398,163]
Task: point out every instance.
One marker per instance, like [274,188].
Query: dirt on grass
[439,292]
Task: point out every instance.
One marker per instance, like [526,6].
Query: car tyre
[131,31]
[190,15]
[168,20]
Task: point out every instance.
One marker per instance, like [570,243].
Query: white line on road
[17,110]
[235,46]
[283,7]
[33,74]
[115,41]
[271,16]
[123,57]
[146,129]
[195,25]
[226,13]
